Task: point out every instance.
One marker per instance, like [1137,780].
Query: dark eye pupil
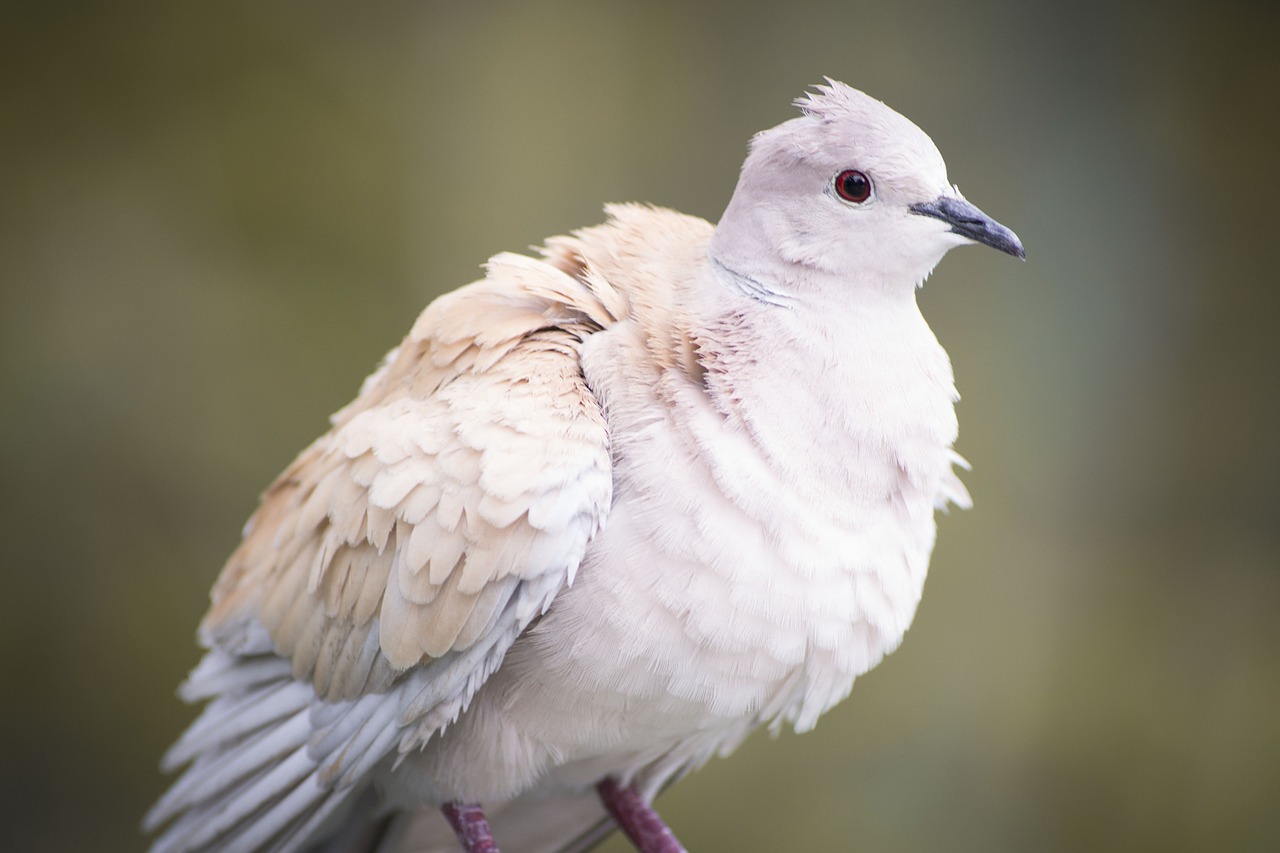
[853,185]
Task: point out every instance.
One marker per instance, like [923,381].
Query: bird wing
[389,569]
[391,566]
[449,502]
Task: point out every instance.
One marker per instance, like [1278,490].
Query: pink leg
[637,819]
[468,821]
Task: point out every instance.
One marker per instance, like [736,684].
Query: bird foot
[637,819]
[471,826]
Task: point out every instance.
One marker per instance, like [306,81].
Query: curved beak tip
[968,221]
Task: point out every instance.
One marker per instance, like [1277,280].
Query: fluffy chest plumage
[767,543]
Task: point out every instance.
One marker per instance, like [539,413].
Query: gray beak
[967,221]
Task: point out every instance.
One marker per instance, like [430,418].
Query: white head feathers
[790,232]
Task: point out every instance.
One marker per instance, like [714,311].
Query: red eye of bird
[854,186]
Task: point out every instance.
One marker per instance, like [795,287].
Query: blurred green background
[215,218]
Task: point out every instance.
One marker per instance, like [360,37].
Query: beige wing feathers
[389,570]
[475,459]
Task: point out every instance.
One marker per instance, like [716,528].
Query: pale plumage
[602,513]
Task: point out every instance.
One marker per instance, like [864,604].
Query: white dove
[599,516]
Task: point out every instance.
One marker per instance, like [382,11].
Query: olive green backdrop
[215,218]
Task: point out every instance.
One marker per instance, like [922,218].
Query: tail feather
[214,773]
[321,820]
[272,801]
[373,734]
[221,673]
[271,767]
[261,776]
[231,719]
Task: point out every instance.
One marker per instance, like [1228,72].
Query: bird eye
[854,186]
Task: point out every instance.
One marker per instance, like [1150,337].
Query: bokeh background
[215,218]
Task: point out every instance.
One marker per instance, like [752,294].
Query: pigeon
[598,517]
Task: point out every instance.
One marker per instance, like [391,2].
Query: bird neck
[810,373]
[773,281]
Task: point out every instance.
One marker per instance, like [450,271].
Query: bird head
[848,195]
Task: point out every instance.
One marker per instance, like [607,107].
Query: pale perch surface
[601,513]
